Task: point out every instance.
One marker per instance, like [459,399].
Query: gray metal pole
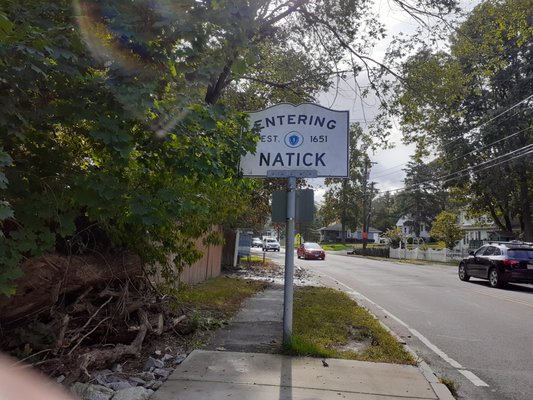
[289,261]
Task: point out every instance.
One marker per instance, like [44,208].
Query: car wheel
[494,278]
[462,273]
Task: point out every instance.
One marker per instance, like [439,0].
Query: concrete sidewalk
[240,364]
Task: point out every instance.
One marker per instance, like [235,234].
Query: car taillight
[511,263]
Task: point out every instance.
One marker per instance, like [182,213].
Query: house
[405,223]
[333,233]
[480,230]
[373,235]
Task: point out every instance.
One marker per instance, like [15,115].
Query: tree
[384,215]
[445,229]
[82,170]
[422,198]
[133,144]
[395,236]
[342,199]
[471,102]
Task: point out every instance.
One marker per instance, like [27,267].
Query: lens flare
[123,37]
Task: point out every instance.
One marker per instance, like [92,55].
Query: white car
[256,242]
[271,244]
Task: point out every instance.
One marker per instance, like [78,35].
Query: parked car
[500,263]
[271,244]
[257,242]
[311,250]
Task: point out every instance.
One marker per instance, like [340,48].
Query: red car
[311,250]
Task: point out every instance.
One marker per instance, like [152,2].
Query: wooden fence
[209,266]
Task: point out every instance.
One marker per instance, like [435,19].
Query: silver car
[271,244]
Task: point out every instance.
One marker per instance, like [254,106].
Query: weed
[452,385]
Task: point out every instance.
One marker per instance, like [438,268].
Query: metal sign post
[289,261]
[297,141]
[288,294]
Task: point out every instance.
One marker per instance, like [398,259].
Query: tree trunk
[48,278]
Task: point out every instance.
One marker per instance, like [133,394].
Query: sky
[387,169]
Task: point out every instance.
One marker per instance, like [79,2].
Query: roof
[332,227]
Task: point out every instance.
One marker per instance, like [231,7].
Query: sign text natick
[303,137]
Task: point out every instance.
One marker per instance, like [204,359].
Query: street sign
[304,207]
[304,137]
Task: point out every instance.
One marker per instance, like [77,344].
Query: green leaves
[470,104]
[116,151]
[5,211]
[6,27]
[5,161]
[446,229]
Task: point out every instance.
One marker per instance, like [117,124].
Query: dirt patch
[271,272]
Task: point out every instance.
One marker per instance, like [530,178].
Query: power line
[477,128]
[475,150]
[476,169]
[523,151]
[489,145]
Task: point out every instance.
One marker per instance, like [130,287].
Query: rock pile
[115,384]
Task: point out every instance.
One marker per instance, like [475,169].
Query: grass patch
[209,305]
[253,259]
[327,323]
[257,263]
[221,294]
[336,246]
[348,246]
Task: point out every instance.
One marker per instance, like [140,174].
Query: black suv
[500,263]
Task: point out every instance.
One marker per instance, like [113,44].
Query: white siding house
[373,234]
[481,229]
[405,224]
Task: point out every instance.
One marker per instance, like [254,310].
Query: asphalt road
[477,336]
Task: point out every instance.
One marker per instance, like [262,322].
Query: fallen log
[49,278]
[108,356]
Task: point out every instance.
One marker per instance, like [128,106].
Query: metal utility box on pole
[297,141]
[305,205]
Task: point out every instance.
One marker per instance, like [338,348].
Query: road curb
[440,389]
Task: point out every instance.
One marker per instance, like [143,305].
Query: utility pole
[369,206]
[366,203]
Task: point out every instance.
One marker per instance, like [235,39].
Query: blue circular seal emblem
[294,139]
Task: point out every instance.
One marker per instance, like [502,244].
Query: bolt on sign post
[297,141]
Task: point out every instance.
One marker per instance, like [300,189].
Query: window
[520,254]
[489,251]
[480,251]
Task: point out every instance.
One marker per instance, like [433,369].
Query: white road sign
[305,137]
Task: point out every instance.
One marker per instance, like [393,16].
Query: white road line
[473,378]
[466,373]
[436,350]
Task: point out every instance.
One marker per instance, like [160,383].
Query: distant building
[333,233]
[480,230]
[269,233]
[373,235]
[406,224]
